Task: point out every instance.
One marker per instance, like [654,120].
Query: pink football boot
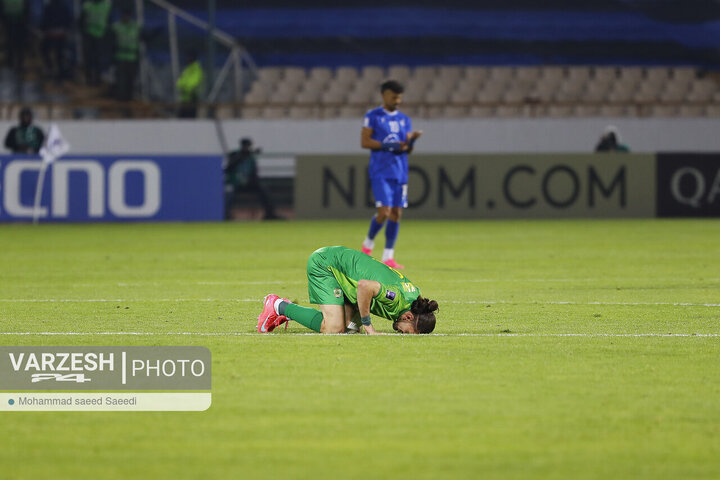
[268,319]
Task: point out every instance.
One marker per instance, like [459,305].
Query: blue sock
[391,233]
[374,228]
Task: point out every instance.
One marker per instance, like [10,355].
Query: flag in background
[55,146]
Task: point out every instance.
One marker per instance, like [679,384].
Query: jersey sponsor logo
[390,295]
[391,138]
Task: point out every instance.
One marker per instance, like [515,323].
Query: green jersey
[127,41]
[13,9]
[190,82]
[96,16]
[348,267]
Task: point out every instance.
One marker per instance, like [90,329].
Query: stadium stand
[458,91]
[502,58]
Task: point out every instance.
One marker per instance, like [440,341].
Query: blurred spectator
[56,24]
[241,175]
[94,23]
[26,137]
[610,141]
[16,18]
[126,43]
[190,86]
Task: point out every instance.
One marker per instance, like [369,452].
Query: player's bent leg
[382,190]
[325,292]
[382,214]
[391,234]
[395,213]
[376,224]
[329,319]
[333,318]
[305,316]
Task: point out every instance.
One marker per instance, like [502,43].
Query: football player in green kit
[345,284]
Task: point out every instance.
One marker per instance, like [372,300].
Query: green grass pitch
[569,350]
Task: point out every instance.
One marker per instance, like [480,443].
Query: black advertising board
[688,185]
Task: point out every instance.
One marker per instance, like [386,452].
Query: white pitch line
[604,281]
[248,282]
[502,302]
[619,281]
[121,300]
[158,284]
[243,334]
[459,302]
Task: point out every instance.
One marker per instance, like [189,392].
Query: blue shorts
[389,192]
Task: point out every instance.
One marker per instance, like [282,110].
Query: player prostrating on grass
[388,134]
[345,283]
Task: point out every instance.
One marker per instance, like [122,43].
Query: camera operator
[241,175]
[610,141]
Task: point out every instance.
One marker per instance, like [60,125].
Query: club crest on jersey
[337,292]
[390,295]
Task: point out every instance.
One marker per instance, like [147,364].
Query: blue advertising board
[113,188]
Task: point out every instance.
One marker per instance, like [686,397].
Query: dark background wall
[508,32]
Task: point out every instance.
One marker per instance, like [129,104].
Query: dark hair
[392,85]
[423,309]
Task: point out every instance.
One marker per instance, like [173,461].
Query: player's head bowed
[422,310]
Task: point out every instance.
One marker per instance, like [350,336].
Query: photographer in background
[241,176]
[610,141]
[25,138]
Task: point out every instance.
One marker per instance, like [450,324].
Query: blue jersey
[393,127]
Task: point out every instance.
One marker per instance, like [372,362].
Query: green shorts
[323,287]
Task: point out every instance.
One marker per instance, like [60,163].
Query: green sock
[308,317]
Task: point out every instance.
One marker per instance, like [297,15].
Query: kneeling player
[345,283]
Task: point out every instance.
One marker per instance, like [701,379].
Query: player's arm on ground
[366,140]
[366,290]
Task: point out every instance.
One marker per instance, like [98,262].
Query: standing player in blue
[388,134]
